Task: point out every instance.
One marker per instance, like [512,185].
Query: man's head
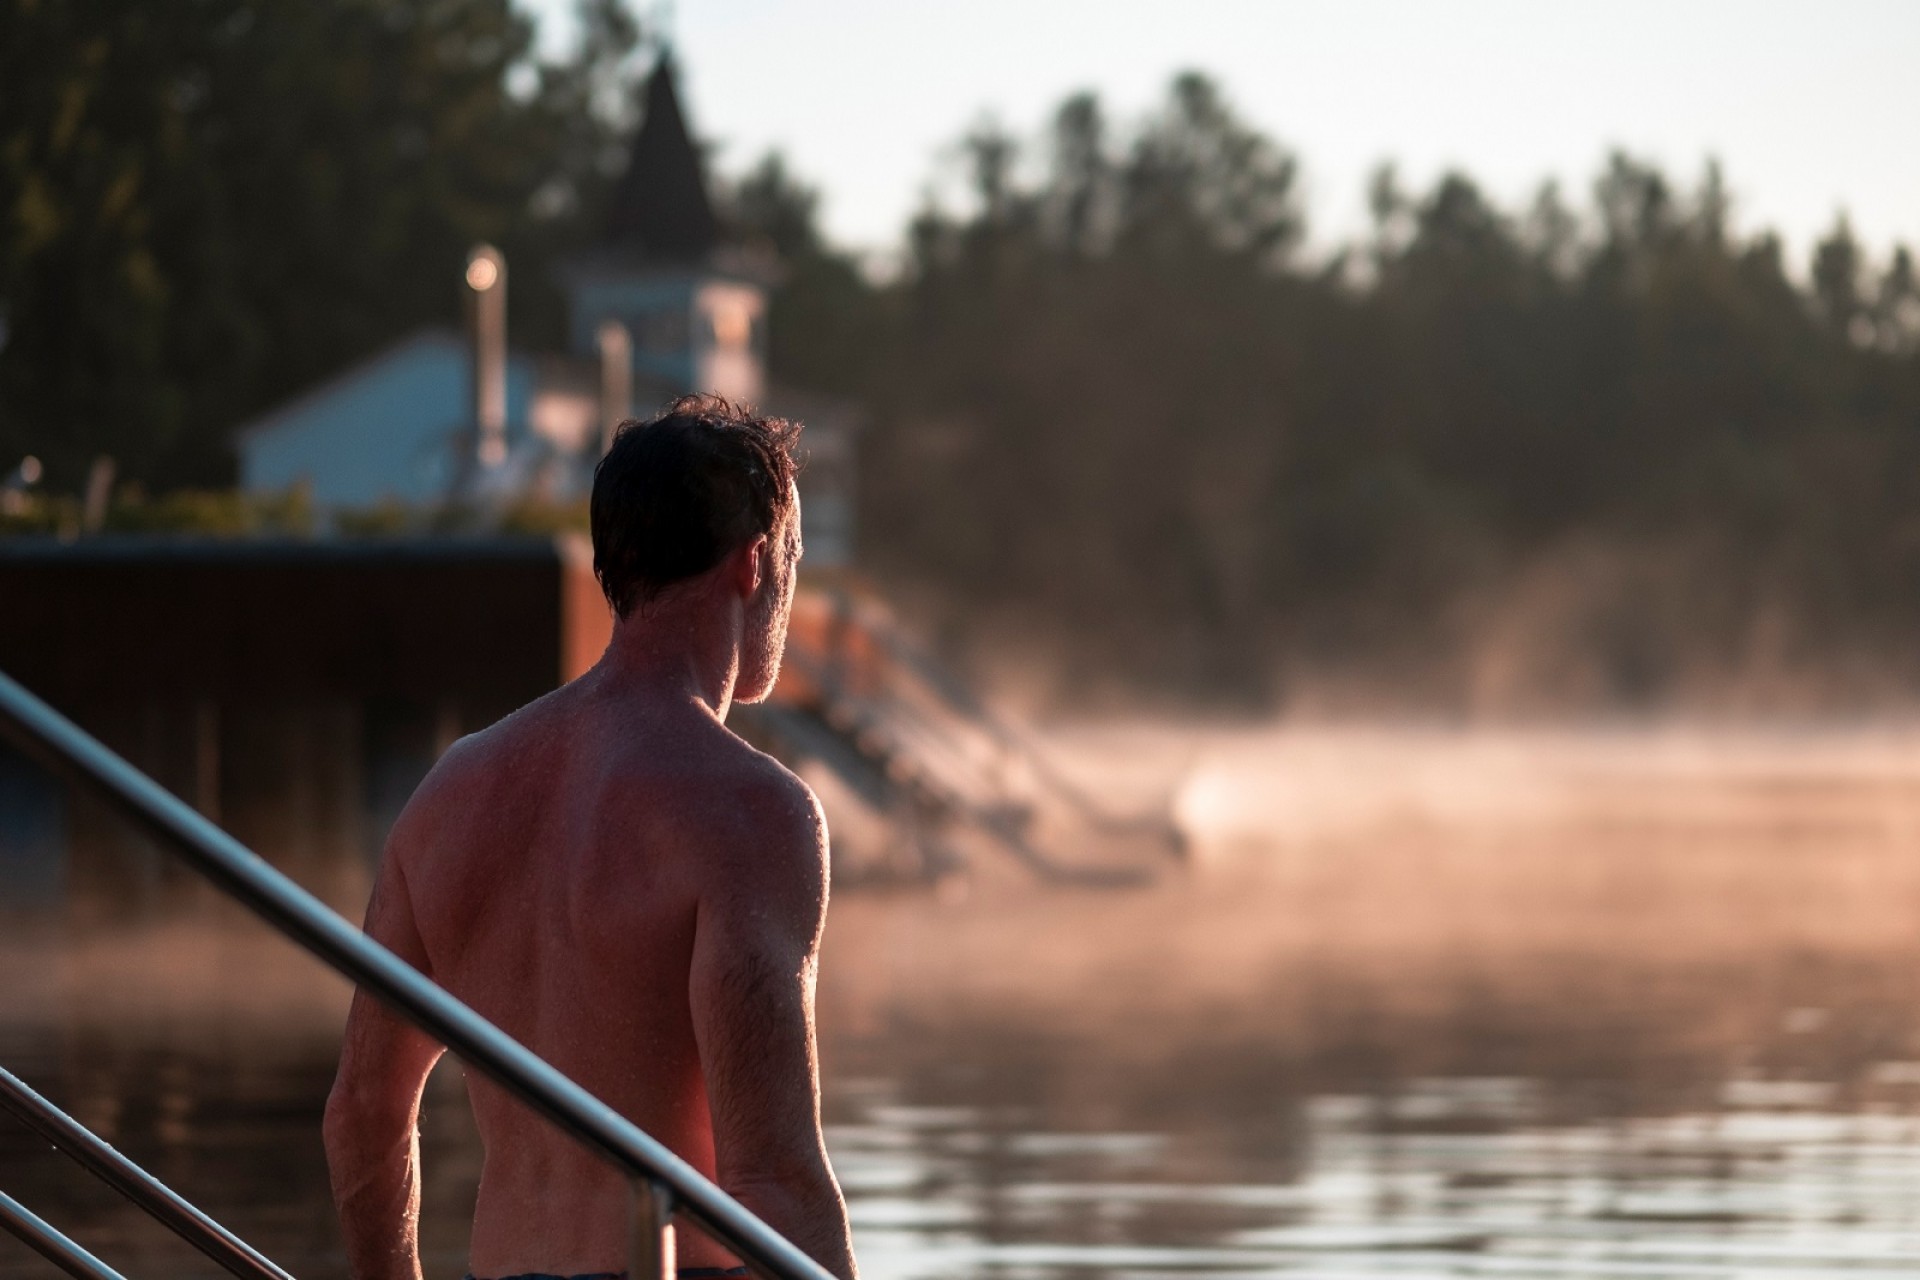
[703,492]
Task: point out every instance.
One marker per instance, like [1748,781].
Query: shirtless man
[624,886]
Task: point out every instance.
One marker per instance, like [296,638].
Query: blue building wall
[384,429]
[658,311]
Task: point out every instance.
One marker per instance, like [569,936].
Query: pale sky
[1811,107]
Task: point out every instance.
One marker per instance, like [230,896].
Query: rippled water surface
[1626,1005]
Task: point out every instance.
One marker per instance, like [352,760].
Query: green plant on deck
[545,518]
[38,513]
[387,518]
[192,512]
[213,512]
[230,513]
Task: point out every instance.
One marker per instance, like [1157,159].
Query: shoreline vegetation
[1128,442]
[290,513]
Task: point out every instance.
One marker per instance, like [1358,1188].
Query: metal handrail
[134,1183]
[297,915]
[50,1244]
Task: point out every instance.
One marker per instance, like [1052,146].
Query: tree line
[1604,451]
[1607,446]
[207,206]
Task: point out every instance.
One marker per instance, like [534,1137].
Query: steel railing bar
[134,1183]
[50,1244]
[299,916]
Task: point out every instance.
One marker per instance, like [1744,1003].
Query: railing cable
[133,1183]
[50,1244]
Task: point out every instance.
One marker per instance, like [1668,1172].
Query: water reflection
[972,1160]
[1444,1177]
[1648,1030]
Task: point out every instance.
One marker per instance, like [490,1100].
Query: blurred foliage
[208,205]
[230,513]
[391,518]
[1112,402]
[525,516]
[826,329]
[209,512]
[544,518]
[39,513]
[221,512]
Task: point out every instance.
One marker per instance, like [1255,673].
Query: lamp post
[487,285]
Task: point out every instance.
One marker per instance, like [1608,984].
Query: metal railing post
[50,1244]
[654,1252]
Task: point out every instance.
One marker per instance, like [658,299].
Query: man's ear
[750,565]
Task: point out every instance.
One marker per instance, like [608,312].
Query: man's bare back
[620,883]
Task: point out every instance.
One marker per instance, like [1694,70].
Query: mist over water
[1424,1002]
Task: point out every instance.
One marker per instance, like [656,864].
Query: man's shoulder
[758,794]
[466,780]
[758,819]
[468,763]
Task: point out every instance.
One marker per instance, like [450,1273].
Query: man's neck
[677,648]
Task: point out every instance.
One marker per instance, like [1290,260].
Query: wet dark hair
[678,493]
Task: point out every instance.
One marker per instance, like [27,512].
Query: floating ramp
[911,743]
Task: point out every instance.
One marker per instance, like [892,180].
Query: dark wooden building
[295,691]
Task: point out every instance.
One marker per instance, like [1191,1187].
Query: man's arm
[756,947]
[372,1122]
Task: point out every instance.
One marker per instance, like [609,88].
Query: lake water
[1616,1003]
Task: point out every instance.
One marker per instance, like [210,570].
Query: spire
[660,208]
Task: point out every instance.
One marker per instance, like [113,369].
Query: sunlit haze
[1807,105]
[1386,750]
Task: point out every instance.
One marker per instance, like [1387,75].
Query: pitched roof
[660,207]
